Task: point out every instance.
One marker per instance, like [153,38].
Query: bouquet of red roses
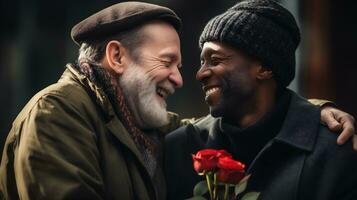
[220,170]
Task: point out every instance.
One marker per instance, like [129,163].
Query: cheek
[159,74]
[240,82]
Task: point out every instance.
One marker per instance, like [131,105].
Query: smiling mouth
[162,92]
[212,90]
[209,90]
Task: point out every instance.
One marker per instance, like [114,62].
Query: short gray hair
[93,51]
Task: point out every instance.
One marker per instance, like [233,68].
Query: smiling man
[247,62]
[93,135]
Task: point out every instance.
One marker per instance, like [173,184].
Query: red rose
[206,160]
[230,171]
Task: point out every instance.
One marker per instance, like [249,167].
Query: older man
[95,134]
[83,137]
[247,61]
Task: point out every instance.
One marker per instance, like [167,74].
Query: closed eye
[166,63]
[215,61]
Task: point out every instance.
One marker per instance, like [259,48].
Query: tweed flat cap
[120,17]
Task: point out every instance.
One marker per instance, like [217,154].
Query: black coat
[302,161]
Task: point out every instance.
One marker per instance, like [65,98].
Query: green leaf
[245,179]
[251,196]
[196,198]
[240,187]
[200,188]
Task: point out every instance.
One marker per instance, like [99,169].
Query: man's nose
[176,78]
[203,73]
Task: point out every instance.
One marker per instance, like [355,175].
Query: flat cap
[120,17]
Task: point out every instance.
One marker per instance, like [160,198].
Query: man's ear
[116,56]
[263,73]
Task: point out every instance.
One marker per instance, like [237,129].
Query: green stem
[226,189]
[209,185]
[214,186]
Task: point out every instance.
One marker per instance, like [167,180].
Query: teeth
[212,90]
[162,92]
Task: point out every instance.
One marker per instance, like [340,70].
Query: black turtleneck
[245,143]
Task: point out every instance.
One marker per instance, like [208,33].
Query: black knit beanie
[262,29]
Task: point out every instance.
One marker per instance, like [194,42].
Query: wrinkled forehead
[162,39]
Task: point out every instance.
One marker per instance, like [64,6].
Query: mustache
[167,86]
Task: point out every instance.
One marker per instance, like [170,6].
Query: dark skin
[241,90]
[244,90]
[238,96]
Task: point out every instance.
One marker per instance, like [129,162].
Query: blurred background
[36,45]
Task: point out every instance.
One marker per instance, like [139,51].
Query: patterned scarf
[148,144]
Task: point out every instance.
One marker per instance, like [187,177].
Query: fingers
[346,134]
[347,122]
[337,121]
[328,118]
[333,125]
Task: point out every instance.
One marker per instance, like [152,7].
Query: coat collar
[301,124]
[113,123]
[95,91]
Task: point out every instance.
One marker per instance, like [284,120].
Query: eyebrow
[206,52]
[212,51]
[172,56]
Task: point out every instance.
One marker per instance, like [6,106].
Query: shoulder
[197,126]
[330,161]
[331,166]
[64,98]
[55,118]
[192,135]
[327,147]
[58,112]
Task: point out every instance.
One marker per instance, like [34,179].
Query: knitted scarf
[148,144]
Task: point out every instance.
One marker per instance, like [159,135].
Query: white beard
[140,94]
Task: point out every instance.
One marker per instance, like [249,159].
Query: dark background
[35,46]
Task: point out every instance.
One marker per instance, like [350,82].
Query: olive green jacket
[67,143]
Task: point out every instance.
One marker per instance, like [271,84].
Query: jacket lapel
[280,162]
[117,129]
[301,124]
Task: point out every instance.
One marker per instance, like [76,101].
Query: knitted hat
[120,17]
[260,28]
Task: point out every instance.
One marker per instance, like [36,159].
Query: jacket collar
[97,93]
[301,124]
[113,123]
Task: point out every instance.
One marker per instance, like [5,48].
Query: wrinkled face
[148,81]
[228,78]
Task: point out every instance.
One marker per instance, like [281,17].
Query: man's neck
[257,107]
